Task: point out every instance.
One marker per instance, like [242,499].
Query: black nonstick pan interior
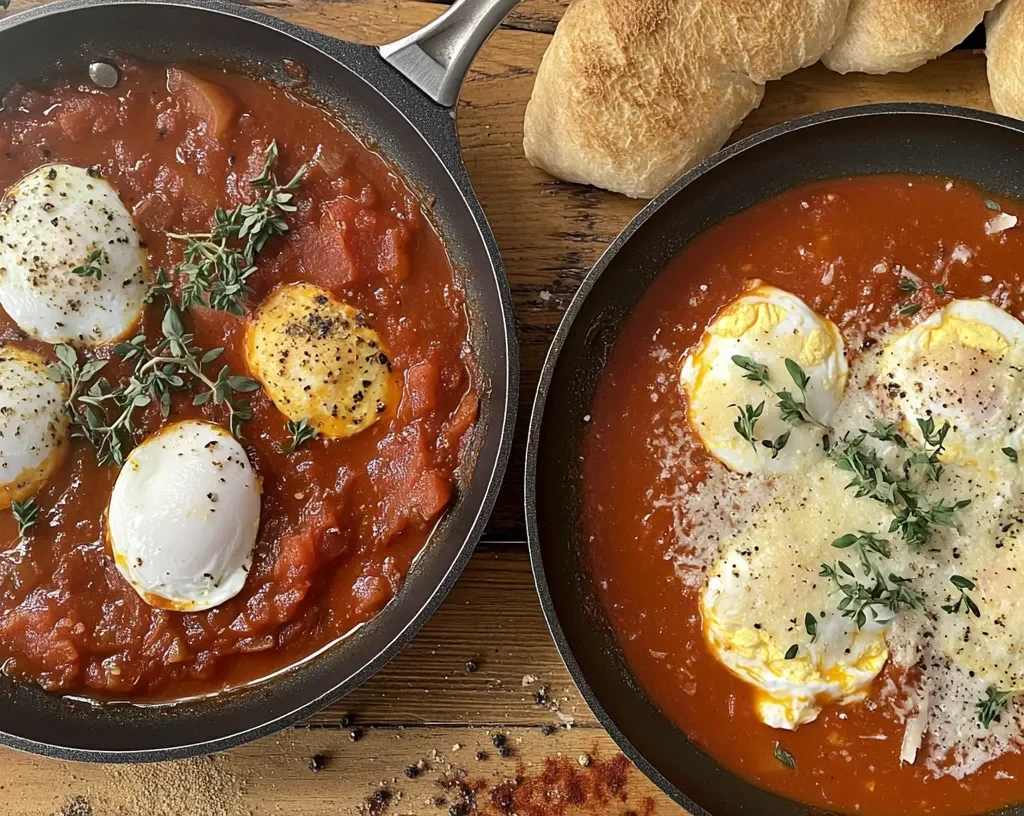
[416,135]
[911,138]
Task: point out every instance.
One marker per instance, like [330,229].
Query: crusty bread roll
[631,93]
[1004,50]
[899,35]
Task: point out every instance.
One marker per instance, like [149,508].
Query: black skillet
[911,138]
[417,134]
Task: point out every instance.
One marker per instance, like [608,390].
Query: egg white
[51,222]
[767,325]
[33,424]
[183,517]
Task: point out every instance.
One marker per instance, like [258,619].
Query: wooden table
[427,705]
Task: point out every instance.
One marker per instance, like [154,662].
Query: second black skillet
[982,148]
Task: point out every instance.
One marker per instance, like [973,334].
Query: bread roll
[1004,36]
[899,35]
[631,93]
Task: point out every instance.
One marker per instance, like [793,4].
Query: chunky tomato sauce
[341,519]
[824,242]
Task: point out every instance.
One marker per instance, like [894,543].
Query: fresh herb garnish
[939,289]
[913,518]
[784,756]
[864,544]
[744,424]
[994,704]
[302,432]
[755,371]
[811,626]
[908,284]
[962,584]
[104,415]
[893,593]
[886,432]
[992,205]
[795,411]
[91,267]
[215,264]
[909,309]
[777,444]
[25,514]
[792,651]
[1011,454]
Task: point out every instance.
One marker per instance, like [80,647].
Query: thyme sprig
[893,593]
[217,265]
[302,432]
[91,268]
[747,419]
[25,514]
[104,415]
[913,517]
[962,584]
[991,708]
[792,410]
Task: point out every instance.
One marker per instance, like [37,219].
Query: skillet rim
[566,327]
[435,125]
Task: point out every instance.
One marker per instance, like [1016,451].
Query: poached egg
[183,517]
[72,268]
[765,326]
[33,424]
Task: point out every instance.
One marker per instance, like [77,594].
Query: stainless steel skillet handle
[436,58]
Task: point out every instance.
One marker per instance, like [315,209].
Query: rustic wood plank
[273,776]
[532,15]
[492,619]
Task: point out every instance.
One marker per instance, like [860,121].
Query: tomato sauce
[835,244]
[341,519]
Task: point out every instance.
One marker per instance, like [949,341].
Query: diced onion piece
[205,100]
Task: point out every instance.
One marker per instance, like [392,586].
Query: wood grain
[273,776]
[492,619]
[550,234]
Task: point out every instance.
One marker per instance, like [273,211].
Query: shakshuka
[236,384]
[804,494]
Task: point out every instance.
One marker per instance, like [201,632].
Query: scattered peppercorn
[355,734]
[412,772]
[540,697]
[459,809]
[346,720]
[497,740]
[317,763]
[470,667]
[547,730]
[481,756]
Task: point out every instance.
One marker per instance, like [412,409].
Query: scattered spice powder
[200,786]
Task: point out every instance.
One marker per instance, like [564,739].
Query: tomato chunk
[83,116]
[413,491]
[419,397]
